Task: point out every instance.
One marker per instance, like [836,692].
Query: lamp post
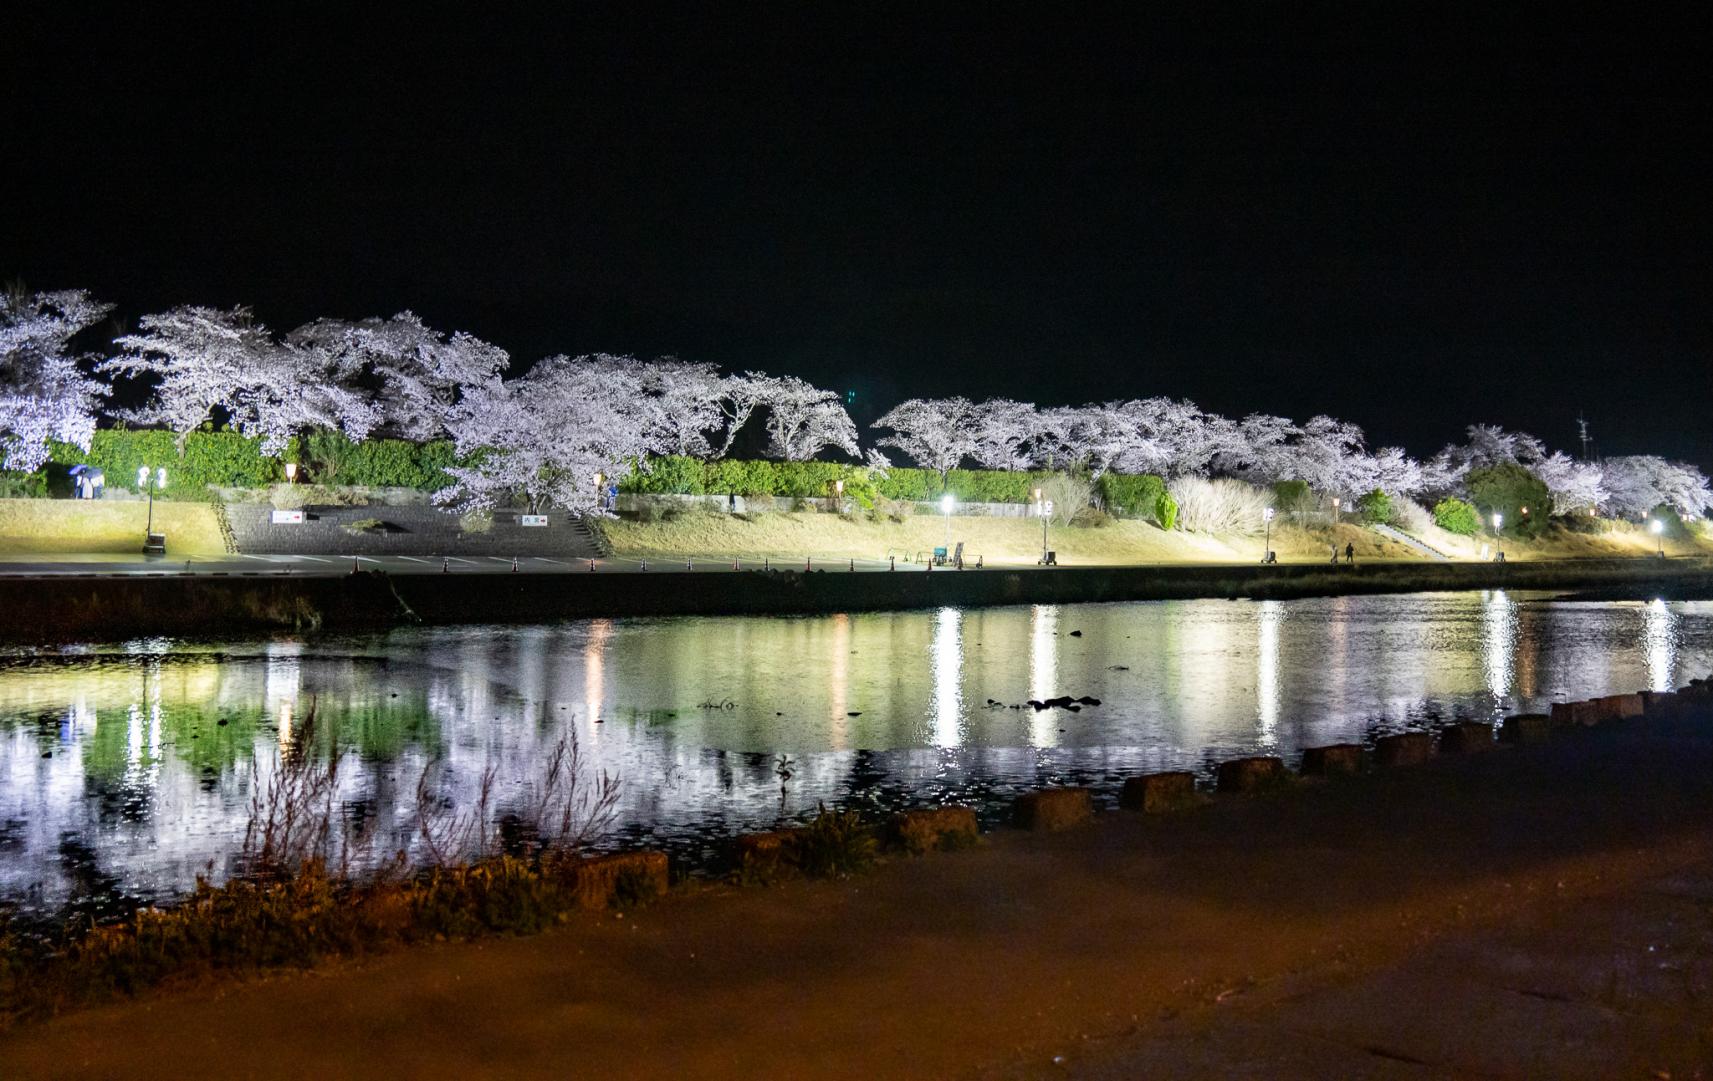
[159,478]
[1267,545]
[946,502]
[291,472]
[1658,528]
[1334,510]
[1498,536]
[839,494]
[1046,512]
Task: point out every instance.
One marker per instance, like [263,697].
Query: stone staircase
[409,530]
[1408,541]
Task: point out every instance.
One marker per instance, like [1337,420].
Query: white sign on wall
[532,519]
[288,517]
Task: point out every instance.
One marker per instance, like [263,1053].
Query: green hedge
[376,463]
[226,459]
[674,475]
[1133,496]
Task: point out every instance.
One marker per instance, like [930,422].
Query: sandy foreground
[1531,912]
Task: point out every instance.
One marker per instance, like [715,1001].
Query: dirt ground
[1528,913]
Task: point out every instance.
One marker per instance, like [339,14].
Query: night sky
[1412,222]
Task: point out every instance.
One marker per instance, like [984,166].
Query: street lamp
[1334,510]
[1267,545]
[1658,528]
[160,482]
[1499,537]
[1045,510]
[946,502]
[291,472]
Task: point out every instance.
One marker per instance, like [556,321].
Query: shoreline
[63,608]
[1367,879]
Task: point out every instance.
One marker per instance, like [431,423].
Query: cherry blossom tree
[686,398]
[1261,453]
[409,375]
[43,393]
[542,438]
[1330,456]
[1636,484]
[1576,487]
[206,359]
[937,433]
[1005,434]
[803,420]
[1488,444]
[1392,471]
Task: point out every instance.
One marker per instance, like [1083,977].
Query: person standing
[1350,554]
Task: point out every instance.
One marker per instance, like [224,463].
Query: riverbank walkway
[1522,913]
[328,565]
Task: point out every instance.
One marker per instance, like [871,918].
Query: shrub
[1293,497]
[1507,488]
[1375,507]
[1410,516]
[1131,496]
[834,844]
[1455,516]
[1166,511]
[1069,495]
[1220,506]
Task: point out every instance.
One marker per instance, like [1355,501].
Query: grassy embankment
[72,527]
[1018,541]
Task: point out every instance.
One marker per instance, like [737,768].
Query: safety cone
[445,566]
[514,564]
[891,563]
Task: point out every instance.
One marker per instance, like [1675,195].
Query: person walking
[1335,555]
[1350,554]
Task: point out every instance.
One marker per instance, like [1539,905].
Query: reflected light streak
[839,677]
[1267,669]
[948,664]
[1498,642]
[594,667]
[1043,672]
[1659,640]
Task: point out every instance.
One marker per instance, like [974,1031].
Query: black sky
[1413,220]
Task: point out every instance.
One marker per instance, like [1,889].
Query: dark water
[127,769]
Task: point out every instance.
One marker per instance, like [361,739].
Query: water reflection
[948,670]
[1267,670]
[1043,672]
[1659,638]
[145,755]
[1499,644]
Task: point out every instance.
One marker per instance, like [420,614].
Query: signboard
[532,519]
[288,517]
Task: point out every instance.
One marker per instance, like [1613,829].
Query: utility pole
[1582,426]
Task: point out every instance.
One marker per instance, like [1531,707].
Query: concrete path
[1526,913]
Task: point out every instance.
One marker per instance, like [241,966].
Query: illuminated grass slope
[69,527]
[822,536]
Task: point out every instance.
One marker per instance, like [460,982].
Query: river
[127,769]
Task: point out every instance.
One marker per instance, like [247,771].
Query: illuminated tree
[803,420]
[204,359]
[408,375]
[543,438]
[1636,484]
[937,433]
[1576,487]
[1005,434]
[43,393]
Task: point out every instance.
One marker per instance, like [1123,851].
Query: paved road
[323,565]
